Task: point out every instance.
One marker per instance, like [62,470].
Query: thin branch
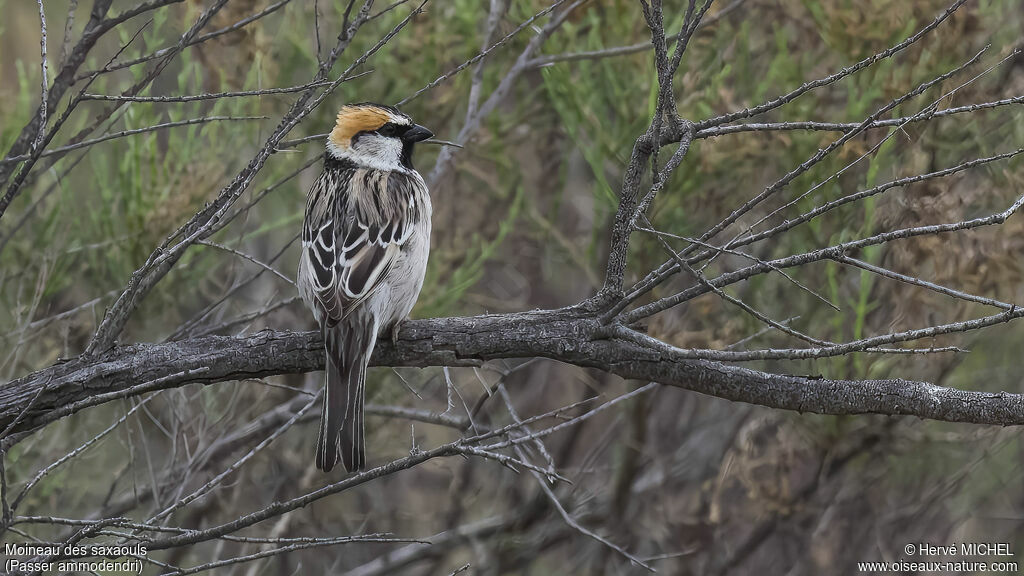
[44,83]
[245,256]
[187,327]
[216,480]
[97,25]
[661,273]
[824,152]
[847,126]
[800,285]
[862,345]
[923,283]
[568,519]
[878,145]
[14,188]
[544,477]
[207,96]
[133,132]
[443,77]
[831,78]
[703,281]
[831,252]
[445,159]
[197,40]
[290,548]
[392,562]
[246,318]
[494,14]
[669,268]
[542,61]
[69,26]
[42,473]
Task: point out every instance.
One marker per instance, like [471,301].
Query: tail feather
[349,345]
[351,440]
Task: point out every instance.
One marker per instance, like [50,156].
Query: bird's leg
[395,329]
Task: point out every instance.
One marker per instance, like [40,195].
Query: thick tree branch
[569,335]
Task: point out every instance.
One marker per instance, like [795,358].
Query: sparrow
[365,242]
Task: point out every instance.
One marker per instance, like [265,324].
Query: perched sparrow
[365,241]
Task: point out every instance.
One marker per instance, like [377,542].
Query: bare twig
[125,133]
[483,54]
[245,256]
[542,61]
[113,66]
[44,83]
[831,78]
[209,96]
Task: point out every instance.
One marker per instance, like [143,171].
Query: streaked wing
[356,224]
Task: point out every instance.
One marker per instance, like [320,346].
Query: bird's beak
[416,134]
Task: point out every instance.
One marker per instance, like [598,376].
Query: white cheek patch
[379,151]
[373,151]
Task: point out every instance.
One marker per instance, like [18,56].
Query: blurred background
[697,485]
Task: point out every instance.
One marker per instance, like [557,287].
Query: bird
[365,243]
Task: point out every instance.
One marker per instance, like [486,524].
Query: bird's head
[375,136]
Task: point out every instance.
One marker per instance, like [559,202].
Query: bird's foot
[395,329]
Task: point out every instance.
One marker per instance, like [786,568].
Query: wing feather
[356,225]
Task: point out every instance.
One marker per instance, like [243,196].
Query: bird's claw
[394,331]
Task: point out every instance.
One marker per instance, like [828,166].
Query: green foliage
[104,216]
[532,194]
[445,298]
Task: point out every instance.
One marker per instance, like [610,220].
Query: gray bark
[569,335]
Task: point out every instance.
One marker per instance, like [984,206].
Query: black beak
[416,134]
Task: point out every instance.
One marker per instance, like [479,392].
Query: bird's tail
[349,345]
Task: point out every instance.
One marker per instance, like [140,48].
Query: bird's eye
[392,130]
